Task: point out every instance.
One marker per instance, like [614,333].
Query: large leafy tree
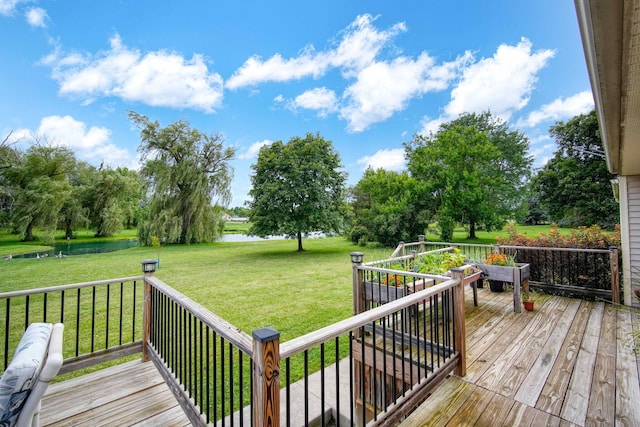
[574,186]
[39,184]
[475,168]
[297,187]
[184,170]
[388,207]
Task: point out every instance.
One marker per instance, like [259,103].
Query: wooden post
[496,248]
[421,240]
[459,321]
[266,377]
[358,297]
[615,274]
[517,296]
[146,318]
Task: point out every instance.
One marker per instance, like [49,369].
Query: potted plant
[528,300]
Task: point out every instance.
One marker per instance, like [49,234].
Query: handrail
[297,345]
[13,294]
[231,333]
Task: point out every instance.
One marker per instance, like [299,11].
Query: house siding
[632,272]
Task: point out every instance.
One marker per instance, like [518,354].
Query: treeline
[474,171]
[173,196]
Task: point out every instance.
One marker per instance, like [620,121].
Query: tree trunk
[472,230]
[28,233]
[300,242]
[68,234]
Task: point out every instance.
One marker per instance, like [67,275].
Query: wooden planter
[382,294]
[503,273]
[518,275]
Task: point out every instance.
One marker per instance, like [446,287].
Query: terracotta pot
[528,305]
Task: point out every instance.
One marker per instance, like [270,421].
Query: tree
[297,187]
[184,170]
[475,168]
[39,186]
[388,207]
[115,193]
[75,210]
[574,186]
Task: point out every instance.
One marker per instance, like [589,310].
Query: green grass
[252,284]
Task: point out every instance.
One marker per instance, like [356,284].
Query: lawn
[251,285]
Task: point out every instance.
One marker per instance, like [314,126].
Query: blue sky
[367,75]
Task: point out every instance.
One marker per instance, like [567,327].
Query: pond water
[82,248]
[68,249]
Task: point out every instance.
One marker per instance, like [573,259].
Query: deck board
[565,364]
[129,394]
[627,396]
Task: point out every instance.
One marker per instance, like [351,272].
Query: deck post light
[357,257]
[149,266]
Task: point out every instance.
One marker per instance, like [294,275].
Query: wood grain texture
[127,394]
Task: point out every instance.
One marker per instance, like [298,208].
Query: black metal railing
[103,319]
[378,363]
[206,360]
[584,273]
[364,368]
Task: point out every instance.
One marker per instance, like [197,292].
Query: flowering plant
[500,259]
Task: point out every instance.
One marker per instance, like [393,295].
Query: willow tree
[297,188]
[185,170]
[39,186]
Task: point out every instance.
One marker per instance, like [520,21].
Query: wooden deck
[131,394]
[564,364]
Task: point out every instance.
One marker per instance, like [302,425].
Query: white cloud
[360,44]
[157,78]
[36,17]
[559,109]
[320,99]
[384,88]
[7,7]
[253,150]
[89,144]
[502,83]
[378,88]
[388,159]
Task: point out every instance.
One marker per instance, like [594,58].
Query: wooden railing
[584,273]
[103,319]
[374,367]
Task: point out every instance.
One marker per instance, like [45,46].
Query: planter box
[384,293]
[516,275]
[504,273]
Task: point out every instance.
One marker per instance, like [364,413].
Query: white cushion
[22,374]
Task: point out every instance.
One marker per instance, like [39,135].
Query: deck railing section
[103,319]
[361,369]
[585,273]
[395,354]
[205,360]
[373,367]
